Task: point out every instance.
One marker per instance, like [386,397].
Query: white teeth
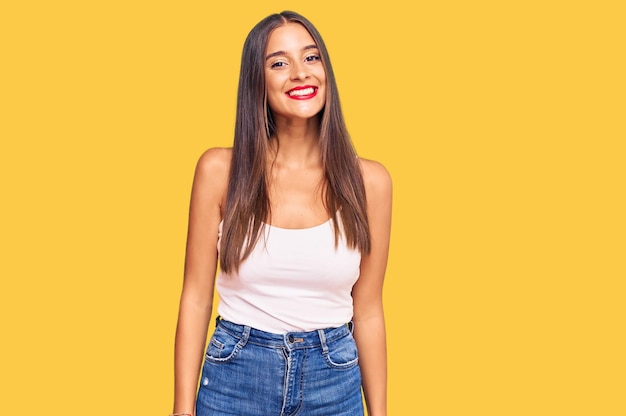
[299,93]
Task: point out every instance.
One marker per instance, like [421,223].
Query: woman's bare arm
[369,328]
[196,301]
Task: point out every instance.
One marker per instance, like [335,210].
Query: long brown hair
[247,201]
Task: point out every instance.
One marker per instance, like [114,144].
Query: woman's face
[294,73]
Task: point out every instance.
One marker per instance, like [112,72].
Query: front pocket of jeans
[342,353]
[223,346]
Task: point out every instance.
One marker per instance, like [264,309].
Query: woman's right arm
[196,301]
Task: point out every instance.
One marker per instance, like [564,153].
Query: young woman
[300,226]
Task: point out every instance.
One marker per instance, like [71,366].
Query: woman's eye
[278,64]
[312,58]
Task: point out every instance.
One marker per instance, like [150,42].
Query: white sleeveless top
[294,280]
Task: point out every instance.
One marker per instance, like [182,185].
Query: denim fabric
[248,372]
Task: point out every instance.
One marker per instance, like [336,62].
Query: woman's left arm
[369,322]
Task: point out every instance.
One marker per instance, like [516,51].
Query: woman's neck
[296,143]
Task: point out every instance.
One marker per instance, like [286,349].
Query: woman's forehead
[290,37]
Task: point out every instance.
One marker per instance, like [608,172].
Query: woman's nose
[299,72]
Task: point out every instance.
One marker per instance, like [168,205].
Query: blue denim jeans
[248,372]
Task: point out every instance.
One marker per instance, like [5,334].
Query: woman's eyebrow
[282,53]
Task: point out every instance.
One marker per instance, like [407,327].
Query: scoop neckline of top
[299,229]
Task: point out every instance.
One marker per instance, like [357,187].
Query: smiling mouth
[302,93]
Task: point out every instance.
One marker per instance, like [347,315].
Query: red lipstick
[303,92]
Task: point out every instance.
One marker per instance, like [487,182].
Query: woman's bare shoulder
[216,160]
[212,172]
[375,176]
[214,165]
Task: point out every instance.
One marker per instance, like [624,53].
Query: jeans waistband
[293,340]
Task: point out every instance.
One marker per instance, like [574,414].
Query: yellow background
[502,124]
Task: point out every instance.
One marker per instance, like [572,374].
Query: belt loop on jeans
[322,336]
[350,326]
[246,334]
